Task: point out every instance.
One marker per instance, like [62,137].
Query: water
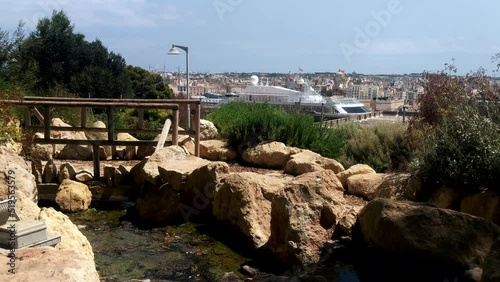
[187,252]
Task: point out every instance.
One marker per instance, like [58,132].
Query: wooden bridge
[46,104]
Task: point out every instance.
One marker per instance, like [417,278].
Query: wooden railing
[46,104]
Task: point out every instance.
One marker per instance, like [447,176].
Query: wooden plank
[163,136]
[197,128]
[96,160]
[76,104]
[175,128]
[156,101]
[37,114]
[83,117]
[46,124]
[140,113]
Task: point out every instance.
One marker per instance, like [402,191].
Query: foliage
[147,85]
[460,117]
[382,146]
[463,153]
[250,124]
[10,117]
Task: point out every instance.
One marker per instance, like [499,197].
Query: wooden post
[46,122]
[111,130]
[140,112]
[37,114]
[175,128]
[95,157]
[83,117]
[163,136]
[27,118]
[197,128]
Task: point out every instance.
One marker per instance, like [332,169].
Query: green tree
[147,85]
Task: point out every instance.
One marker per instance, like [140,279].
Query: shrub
[250,124]
[382,146]
[463,153]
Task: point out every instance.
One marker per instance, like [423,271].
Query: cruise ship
[303,98]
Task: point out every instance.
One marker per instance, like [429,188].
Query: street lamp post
[174,51]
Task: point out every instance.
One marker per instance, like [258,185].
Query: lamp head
[174,51]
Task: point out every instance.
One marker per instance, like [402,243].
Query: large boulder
[48,264]
[207,130]
[244,201]
[13,168]
[425,235]
[446,198]
[73,135]
[71,237]
[66,171]
[128,152]
[271,155]
[76,152]
[491,266]
[217,150]
[73,196]
[308,161]
[304,216]
[149,169]
[354,170]
[364,185]
[400,186]
[485,204]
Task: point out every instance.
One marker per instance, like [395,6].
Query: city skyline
[383,36]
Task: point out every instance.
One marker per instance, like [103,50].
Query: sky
[363,36]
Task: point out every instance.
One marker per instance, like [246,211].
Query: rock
[304,216]
[22,180]
[270,155]
[158,204]
[217,150]
[130,152]
[49,264]
[308,161]
[188,145]
[207,130]
[109,175]
[399,186]
[353,170]
[168,157]
[37,170]
[122,175]
[485,204]
[426,235]
[42,152]
[491,266]
[99,136]
[73,196]
[446,198]
[84,176]
[26,209]
[76,152]
[364,185]
[50,172]
[473,274]
[347,222]
[144,151]
[71,237]
[67,171]
[244,201]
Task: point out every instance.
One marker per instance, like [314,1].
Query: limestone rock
[491,266]
[271,155]
[73,135]
[130,152]
[364,185]
[207,130]
[73,196]
[446,198]
[99,136]
[66,171]
[304,216]
[308,161]
[353,170]
[188,145]
[42,152]
[50,172]
[84,176]
[217,150]
[71,237]
[109,175]
[426,235]
[13,168]
[75,152]
[485,204]
[349,218]
[49,264]
[241,201]
[166,156]
[399,186]
[144,151]
[37,170]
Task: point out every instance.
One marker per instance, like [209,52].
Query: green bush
[250,124]
[382,146]
[463,153]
